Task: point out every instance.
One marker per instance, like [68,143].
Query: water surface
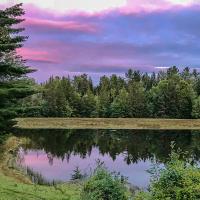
[55,153]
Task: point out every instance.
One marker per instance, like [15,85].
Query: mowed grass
[12,190]
[108,123]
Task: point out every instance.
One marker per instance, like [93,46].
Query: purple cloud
[112,42]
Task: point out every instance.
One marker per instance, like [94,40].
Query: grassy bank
[10,189]
[108,123]
[8,159]
[16,185]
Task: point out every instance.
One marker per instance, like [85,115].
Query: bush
[179,180]
[103,185]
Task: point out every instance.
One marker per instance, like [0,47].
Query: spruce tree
[14,84]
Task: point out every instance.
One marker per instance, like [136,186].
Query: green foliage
[172,98]
[179,180]
[196,108]
[13,82]
[137,106]
[103,185]
[82,84]
[88,105]
[170,94]
[56,101]
[104,97]
[119,107]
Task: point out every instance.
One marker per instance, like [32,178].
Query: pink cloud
[96,7]
[146,6]
[143,34]
[61,25]
[36,55]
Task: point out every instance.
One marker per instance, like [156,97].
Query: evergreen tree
[137,100]
[82,84]
[63,108]
[119,107]
[186,73]
[172,71]
[57,103]
[116,83]
[196,108]
[172,98]
[14,84]
[197,85]
[88,105]
[104,97]
[32,105]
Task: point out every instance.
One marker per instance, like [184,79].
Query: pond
[56,153]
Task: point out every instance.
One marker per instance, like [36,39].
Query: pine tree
[196,108]
[119,107]
[136,100]
[172,98]
[104,97]
[14,84]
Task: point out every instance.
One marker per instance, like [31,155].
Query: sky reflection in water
[56,153]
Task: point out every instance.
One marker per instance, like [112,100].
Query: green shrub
[103,185]
[179,180]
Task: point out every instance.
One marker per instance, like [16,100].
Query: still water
[56,153]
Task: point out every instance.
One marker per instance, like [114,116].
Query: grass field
[108,123]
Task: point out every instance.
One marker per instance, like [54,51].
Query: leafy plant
[178,180]
[104,185]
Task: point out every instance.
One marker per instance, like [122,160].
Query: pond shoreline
[15,173]
[10,166]
[8,161]
[15,183]
[108,123]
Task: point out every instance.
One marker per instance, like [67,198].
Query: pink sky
[62,169]
[109,36]
[92,6]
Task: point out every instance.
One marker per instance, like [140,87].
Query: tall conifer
[14,84]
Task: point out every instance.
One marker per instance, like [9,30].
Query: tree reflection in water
[136,145]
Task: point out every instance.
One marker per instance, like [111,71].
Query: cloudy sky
[109,36]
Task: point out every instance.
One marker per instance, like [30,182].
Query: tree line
[167,94]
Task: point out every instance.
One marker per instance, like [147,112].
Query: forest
[166,94]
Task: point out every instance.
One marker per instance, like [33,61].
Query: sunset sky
[109,36]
